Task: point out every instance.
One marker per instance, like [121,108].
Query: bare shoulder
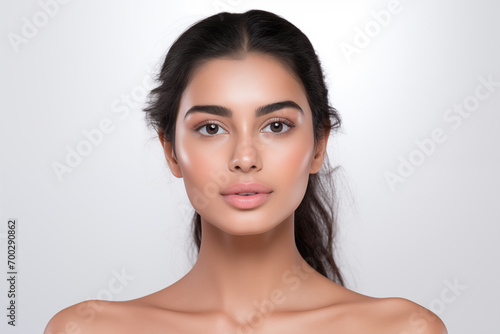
[392,315]
[409,317]
[92,316]
[141,315]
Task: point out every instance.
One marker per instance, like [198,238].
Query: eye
[210,129]
[279,126]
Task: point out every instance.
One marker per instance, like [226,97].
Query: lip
[246,202]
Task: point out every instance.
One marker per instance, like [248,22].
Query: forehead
[251,81]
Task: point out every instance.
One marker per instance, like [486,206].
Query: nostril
[244,161]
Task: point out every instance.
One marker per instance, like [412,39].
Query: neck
[238,272]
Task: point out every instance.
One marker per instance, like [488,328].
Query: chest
[318,322]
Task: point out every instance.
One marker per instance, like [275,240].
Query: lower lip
[246,202]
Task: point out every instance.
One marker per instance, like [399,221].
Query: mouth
[246,195]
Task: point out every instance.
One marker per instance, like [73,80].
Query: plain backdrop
[398,83]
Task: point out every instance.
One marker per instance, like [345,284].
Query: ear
[319,153]
[168,150]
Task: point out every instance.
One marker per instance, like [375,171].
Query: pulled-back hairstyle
[235,35]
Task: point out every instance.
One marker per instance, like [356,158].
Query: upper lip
[246,187]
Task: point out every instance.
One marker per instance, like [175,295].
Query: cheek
[193,163]
[291,165]
[198,168]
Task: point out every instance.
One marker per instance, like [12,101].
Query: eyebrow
[260,111]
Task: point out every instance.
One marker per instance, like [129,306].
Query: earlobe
[319,154]
[168,150]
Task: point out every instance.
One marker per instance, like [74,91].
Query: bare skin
[249,276]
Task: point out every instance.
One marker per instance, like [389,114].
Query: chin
[245,230]
[241,226]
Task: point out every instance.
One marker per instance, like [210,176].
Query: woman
[243,116]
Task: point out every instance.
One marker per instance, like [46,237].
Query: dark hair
[235,35]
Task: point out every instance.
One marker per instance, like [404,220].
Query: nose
[245,157]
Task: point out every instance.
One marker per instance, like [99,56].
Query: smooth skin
[249,276]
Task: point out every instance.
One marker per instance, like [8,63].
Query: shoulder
[413,318]
[351,312]
[399,315]
[92,316]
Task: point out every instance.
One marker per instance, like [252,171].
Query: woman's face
[230,129]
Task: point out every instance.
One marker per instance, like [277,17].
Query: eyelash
[285,121]
[200,126]
[280,120]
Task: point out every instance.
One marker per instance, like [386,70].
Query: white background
[120,209]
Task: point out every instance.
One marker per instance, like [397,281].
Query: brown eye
[210,129]
[276,126]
